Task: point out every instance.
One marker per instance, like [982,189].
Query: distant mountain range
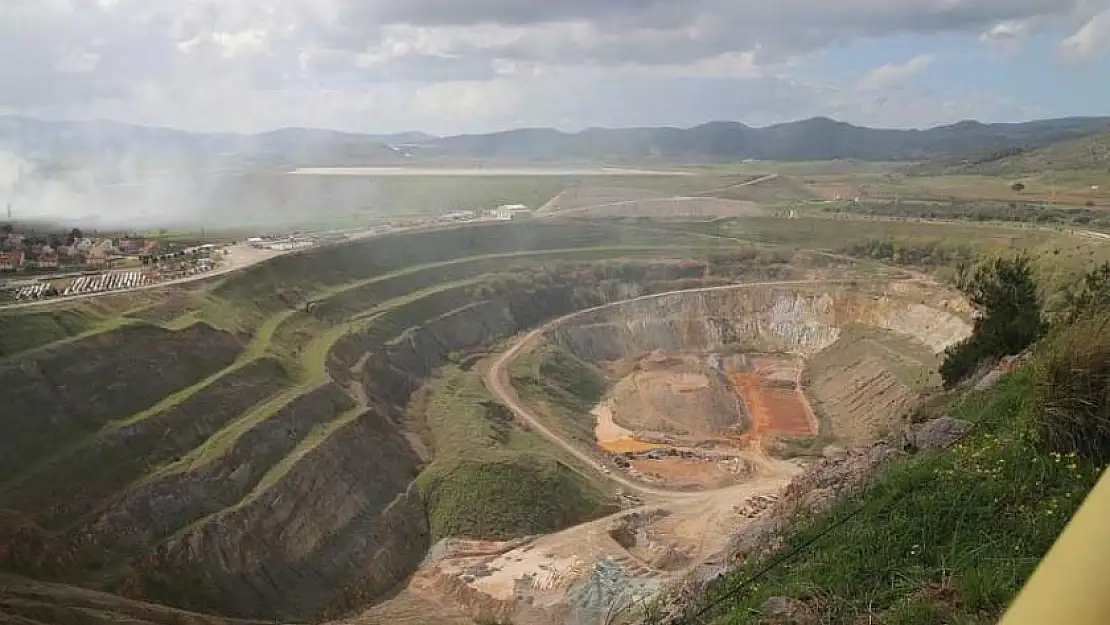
[72,143]
[1090,153]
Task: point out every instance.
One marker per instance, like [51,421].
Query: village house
[11,261]
[96,257]
[47,260]
[131,245]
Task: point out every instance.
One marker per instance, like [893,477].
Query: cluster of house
[21,252]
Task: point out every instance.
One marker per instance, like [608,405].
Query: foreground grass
[942,539]
[491,479]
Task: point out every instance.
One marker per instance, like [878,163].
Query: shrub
[1072,381]
[1004,291]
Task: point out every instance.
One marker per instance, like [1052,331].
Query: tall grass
[1073,390]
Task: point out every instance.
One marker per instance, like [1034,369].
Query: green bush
[1004,291]
[1072,380]
[513,496]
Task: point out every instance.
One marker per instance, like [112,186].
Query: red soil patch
[789,412]
[677,468]
[773,410]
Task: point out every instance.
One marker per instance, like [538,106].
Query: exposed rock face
[166,502]
[344,515]
[861,398]
[800,319]
[941,433]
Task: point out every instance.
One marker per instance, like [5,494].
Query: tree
[1018,187]
[1004,291]
[74,235]
[6,229]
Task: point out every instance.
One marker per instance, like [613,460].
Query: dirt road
[500,384]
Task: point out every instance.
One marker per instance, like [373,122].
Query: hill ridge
[816,138]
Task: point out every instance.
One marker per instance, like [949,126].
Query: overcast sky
[457,66]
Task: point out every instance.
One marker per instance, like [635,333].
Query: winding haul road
[499,383]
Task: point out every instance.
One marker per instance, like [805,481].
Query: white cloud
[448,65]
[1091,40]
[78,62]
[894,75]
[1006,31]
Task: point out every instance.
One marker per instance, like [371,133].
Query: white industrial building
[511,211]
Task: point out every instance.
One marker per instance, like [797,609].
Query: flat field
[330,198]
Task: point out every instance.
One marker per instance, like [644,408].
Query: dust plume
[120,191]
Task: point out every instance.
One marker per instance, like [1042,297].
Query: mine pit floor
[768,388]
[774,409]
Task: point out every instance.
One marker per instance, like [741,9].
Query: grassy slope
[563,388]
[300,340]
[1061,259]
[943,539]
[305,343]
[490,478]
[21,332]
[1085,153]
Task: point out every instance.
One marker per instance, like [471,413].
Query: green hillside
[1082,154]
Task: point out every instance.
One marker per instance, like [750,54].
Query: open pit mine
[708,389]
[527,423]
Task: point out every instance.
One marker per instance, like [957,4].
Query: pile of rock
[754,506]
